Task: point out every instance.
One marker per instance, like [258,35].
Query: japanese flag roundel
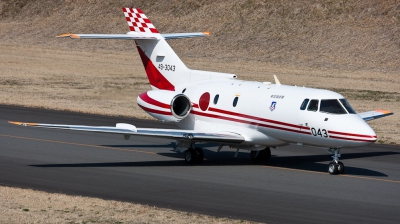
[204,101]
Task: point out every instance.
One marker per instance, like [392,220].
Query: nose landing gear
[335,167]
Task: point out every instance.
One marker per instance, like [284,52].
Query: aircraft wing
[374,114]
[128,129]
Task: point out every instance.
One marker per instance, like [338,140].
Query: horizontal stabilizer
[374,114]
[128,36]
[135,36]
[168,36]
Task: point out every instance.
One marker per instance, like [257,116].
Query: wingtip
[384,111]
[71,35]
[22,123]
[208,33]
[15,122]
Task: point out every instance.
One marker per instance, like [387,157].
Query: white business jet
[218,108]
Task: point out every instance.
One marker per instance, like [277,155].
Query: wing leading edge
[128,130]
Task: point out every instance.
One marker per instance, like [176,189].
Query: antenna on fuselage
[277,81]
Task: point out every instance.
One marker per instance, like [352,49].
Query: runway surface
[294,187]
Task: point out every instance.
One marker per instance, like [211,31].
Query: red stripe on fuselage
[146,98]
[246,122]
[351,139]
[155,111]
[350,134]
[256,118]
[156,79]
[276,122]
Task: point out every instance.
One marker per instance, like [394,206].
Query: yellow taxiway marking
[78,144]
[140,151]
[342,175]
[371,178]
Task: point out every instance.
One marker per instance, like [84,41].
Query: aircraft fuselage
[270,115]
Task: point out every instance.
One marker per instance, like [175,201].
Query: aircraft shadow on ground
[315,163]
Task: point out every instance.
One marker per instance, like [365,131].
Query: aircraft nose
[361,131]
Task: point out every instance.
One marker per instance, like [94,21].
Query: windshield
[331,106]
[347,106]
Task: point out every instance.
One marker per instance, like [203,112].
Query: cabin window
[304,104]
[313,106]
[332,107]
[216,99]
[346,105]
[235,101]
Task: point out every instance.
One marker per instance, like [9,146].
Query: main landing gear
[195,155]
[335,167]
[262,155]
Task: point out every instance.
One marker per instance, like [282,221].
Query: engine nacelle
[165,105]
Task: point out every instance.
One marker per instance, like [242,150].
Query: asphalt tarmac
[294,187]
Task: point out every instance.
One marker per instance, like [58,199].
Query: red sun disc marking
[204,101]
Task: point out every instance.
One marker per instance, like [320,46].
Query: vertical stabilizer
[163,67]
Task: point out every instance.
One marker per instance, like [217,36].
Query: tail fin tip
[138,21]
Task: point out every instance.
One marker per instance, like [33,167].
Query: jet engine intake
[165,105]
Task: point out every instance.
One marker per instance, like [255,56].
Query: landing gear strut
[195,155]
[262,155]
[335,167]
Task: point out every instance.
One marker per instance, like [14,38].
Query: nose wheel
[335,167]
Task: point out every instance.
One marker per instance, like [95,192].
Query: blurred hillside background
[350,35]
[351,47]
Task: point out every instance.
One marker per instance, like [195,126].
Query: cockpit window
[347,106]
[313,106]
[332,106]
[216,99]
[304,104]
[235,101]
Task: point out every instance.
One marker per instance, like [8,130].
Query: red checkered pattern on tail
[138,21]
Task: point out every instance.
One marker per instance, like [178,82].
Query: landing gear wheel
[190,156]
[255,156]
[263,155]
[333,168]
[266,154]
[199,155]
[340,166]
